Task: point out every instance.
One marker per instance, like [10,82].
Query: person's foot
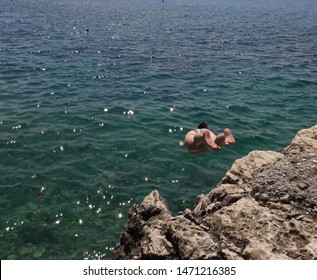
[210,142]
[229,140]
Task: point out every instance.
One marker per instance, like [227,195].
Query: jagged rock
[244,169]
[265,207]
[304,141]
[144,236]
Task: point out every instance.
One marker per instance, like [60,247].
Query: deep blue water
[95,96]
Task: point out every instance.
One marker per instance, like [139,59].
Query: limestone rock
[144,236]
[304,141]
[265,207]
[244,169]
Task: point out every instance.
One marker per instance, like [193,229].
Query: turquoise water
[95,96]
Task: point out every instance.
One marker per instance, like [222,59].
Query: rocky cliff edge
[265,207]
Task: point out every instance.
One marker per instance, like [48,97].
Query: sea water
[95,96]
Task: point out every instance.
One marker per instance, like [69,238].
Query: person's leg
[210,140]
[220,139]
[225,138]
[229,137]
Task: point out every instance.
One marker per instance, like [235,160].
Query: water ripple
[95,98]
